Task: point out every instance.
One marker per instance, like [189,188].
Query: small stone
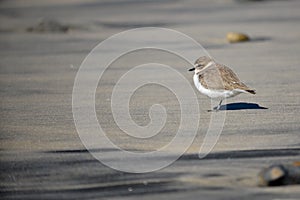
[277,175]
[272,176]
[233,37]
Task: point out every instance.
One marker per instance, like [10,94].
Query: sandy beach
[41,154]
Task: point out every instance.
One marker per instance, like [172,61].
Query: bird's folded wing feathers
[222,77]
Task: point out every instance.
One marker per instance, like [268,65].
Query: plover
[217,81]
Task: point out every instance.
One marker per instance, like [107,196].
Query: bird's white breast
[214,94]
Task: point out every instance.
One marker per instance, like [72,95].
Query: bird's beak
[192,69]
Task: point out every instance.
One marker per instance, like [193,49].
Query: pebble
[233,37]
[277,175]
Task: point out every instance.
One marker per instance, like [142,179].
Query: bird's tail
[251,91]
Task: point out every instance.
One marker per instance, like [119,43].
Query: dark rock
[277,175]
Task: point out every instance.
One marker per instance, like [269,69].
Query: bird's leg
[219,106]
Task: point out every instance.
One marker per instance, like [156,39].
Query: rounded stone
[234,37]
[272,176]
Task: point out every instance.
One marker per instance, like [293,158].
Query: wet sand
[42,156]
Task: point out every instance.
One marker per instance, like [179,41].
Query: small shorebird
[217,81]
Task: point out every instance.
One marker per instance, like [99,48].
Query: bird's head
[200,63]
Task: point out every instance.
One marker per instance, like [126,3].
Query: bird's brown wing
[230,79]
[221,77]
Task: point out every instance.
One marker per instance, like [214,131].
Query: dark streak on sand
[54,169]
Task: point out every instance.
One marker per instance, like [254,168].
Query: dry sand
[42,156]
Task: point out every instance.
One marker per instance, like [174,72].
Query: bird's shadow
[241,106]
